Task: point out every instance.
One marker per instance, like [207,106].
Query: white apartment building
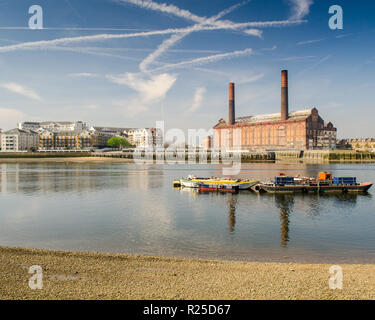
[54,126]
[16,140]
[144,137]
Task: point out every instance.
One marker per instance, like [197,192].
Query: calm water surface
[129,208]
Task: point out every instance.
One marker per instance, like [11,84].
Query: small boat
[177,184]
[214,187]
[188,183]
[324,183]
[194,182]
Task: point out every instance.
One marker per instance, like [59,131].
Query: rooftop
[17,131]
[295,115]
[60,122]
[301,114]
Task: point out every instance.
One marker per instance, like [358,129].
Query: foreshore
[67,159]
[75,275]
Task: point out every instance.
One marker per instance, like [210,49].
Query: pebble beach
[78,275]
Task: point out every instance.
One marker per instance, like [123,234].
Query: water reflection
[313,205]
[285,203]
[232,201]
[47,177]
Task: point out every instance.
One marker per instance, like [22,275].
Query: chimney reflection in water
[232,201]
[285,203]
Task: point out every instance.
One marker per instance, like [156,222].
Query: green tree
[118,142]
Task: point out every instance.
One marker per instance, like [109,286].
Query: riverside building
[17,140]
[303,129]
[68,140]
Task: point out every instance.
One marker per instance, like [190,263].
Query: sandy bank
[69,275]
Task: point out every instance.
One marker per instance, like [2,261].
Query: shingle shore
[73,275]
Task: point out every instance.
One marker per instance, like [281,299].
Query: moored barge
[324,184]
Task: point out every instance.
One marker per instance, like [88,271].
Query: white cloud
[92,106]
[231,77]
[84,75]
[301,43]
[150,89]
[270,49]
[21,90]
[98,37]
[53,44]
[222,24]
[254,32]
[315,65]
[198,98]
[131,108]
[166,44]
[247,79]
[10,117]
[295,58]
[162,7]
[204,60]
[300,8]
[256,24]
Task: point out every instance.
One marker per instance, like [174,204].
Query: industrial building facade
[303,129]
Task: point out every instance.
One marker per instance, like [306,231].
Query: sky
[131,63]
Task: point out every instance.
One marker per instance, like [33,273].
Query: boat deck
[313,188]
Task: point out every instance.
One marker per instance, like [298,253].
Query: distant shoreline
[92,159]
[310,156]
[78,275]
[67,159]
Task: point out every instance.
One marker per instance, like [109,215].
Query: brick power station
[303,129]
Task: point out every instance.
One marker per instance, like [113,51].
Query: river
[130,208]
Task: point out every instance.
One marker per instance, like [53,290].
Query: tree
[118,142]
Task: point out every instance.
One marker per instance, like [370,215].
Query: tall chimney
[231,119]
[284,95]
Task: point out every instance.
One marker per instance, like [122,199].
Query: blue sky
[172,60]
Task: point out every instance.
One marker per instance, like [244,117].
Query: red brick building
[303,129]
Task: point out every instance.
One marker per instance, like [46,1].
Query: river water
[129,208]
